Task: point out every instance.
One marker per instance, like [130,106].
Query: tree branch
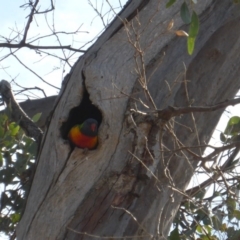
[33,71]
[169,112]
[30,46]
[17,114]
[30,18]
[193,191]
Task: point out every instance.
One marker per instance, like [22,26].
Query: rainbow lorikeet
[85,134]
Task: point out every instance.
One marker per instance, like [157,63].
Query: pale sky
[68,17]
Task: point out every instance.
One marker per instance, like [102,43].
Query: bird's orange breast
[81,140]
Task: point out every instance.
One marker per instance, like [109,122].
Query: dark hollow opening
[81,113]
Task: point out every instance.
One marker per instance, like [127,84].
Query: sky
[67,17]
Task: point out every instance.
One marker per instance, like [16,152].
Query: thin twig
[106,237]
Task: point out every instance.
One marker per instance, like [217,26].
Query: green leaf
[189,205]
[233,234]
[14,128]
[217,224]
[203,237]
[36,117]
[170,3]
[224,227]
[208,228]
[233,126]
[194,26]
[223,138]
[185,13]
[207,220]
[236,214]
[7,175]
[193,32]
[203,214]
[32,149]
[199,229]
[2,131]
[8,110]
[190,45]
[1,160]
[203,230]
[15,217]
[174,235]
[231,204]
[3,118]
[8,142]
[231,207]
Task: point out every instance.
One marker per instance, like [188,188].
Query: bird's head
[89,127]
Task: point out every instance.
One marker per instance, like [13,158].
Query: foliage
[216,216]
[17,154]
[232,130]
[188,19]
[191,19]
[193,32]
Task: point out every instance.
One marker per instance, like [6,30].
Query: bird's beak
[93,127]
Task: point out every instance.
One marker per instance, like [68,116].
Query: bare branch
[30,46]
[17,114]
[30,18]
[170,111]
[33,72]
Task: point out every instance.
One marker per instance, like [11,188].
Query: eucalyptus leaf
[190,45]
[185,13]
[36,117]
[15,217]
[236,214]
[174,235]
[170,3]
[233,126]
[194,26]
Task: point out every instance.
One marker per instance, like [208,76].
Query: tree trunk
[34,106]
[108,191]
[43,106]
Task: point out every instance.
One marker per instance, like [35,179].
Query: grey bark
[79,191]
[44,106]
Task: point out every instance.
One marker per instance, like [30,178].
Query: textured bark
[77,189]
[44,106]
